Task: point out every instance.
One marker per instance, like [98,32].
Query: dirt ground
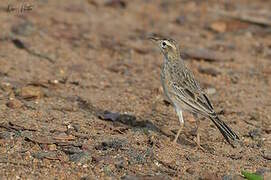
[80,92]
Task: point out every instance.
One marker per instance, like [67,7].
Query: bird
[183,91]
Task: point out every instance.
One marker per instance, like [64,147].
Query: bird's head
[168,47]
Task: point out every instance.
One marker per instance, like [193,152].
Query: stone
[31,92]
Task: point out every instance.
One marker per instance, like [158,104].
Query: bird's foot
[198,143]
[175,140]
[199,147]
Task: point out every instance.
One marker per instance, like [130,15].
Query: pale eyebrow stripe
[170,44]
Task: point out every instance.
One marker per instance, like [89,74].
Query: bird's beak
[154,39]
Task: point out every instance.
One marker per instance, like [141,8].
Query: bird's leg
[197,129]
[180,116]
[198,135]
[197,132]
[178,133]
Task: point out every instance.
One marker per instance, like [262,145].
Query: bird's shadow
[115,117]
[126,119]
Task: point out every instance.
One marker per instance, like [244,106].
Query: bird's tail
[225,130]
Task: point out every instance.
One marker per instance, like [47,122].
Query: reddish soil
[80,92]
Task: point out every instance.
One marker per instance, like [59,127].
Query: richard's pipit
[184,92]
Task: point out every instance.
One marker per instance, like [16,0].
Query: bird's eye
[163,44]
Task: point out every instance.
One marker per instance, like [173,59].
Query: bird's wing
[187,91]
[197,101]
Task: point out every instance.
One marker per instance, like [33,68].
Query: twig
[12,126]
[19,44]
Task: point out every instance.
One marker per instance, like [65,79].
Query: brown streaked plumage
[183,91]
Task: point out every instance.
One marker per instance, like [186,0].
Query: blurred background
[80,92]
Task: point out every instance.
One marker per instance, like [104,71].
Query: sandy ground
[80,92]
